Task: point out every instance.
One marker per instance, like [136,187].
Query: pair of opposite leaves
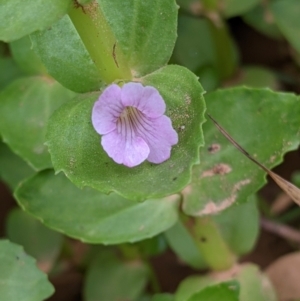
[291,190]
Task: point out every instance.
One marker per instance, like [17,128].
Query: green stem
[211,244]
[100,42]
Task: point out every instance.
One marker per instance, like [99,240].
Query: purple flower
[133,126]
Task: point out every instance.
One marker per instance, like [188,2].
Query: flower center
[129,121]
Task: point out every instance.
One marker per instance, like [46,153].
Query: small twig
[281,230]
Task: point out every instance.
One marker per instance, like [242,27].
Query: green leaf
[22,17]
[26,58]
[227,8]
[110,279]
[255,285]
[90,215]
[194,47]
[38,241]
[239,225]
[184,246]
[192,285]
[83,160]
[147,44]
[20,279]
[265,123]
[202,46]
[252,283]
[286,14]
[258,77]
[67,60]
[12,168]
[25,106]
[232,8]
[153,246]
[163,297]
[260,18]
[226,291]
[9,71]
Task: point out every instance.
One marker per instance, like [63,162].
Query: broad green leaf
[227,8]
[26,58]
[226,291]
[163,297]
[12,168]
[232,8]
[257,77]
[9,71]
[239,225]
[265,123]
[25,106]
[192,285]
[194,47]
[203,45]
[22,17]
[91,216]
[252,283]
[3,47]
[286,14]
[153,246]
[20,279]
[85,163]
[101,42]
[67,60]
[110,279]
[261,18]
[184,246]
[147,44]
[38,241]
[255,285]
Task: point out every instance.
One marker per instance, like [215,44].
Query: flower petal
[107,109]
[160,136]
[146,99]
[130,151]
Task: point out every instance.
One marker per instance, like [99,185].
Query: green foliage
[20,279]
[238,225]
[38,241]
[227,291]
[110,279]
[25,106]
[85,163]
[144,53]
[252,284]
[200,203]
[206,49]
[162,297]
[260,17]
[9,71]
[12,168]
[235,176]
[22,17]
[286,14]
[184,246]
[26,58]
[237,7]
[67,61]
[91,216]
